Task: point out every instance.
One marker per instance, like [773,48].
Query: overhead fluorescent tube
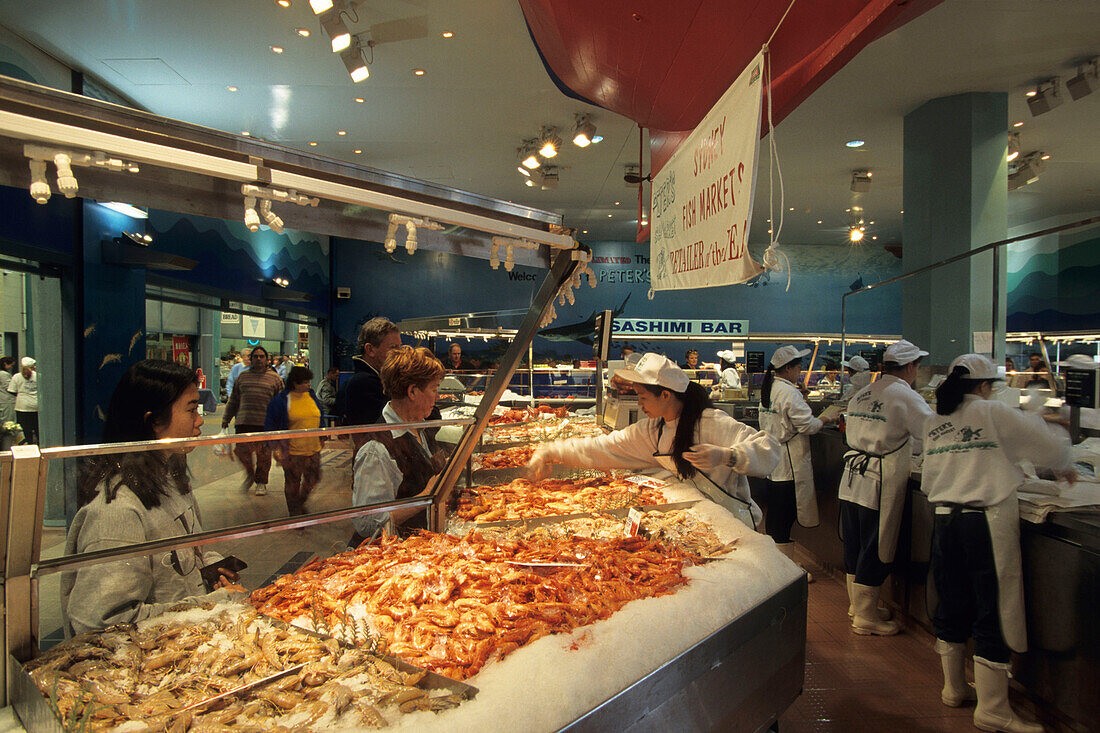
[123,208]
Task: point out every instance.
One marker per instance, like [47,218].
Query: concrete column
[955,198]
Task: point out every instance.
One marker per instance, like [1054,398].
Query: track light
[410,223]
[1045,98]
[270,216]
[549,178]
[410,236]
[583,131]
[549,142]
[337,31]
[527,153]
[251,218]
[855,234]
[320,6]
[40,189]
[354,62]
[1026,171]
[391,237]
[282,282]
[66,181]
[861,181]
[1085,82]
[1013,146]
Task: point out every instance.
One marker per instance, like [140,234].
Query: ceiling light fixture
[419,72]
[549,178]
[283,3]
[337,30]
[246,133]
[360,100]
[410,223]
[251,218]
[270,217]
[282,282]
[861,181]
[583,130]
[1045,98]
[1013,146]
[1030,93]
[855,234]
[231,88]
[527,153]
[1026,170]
[1017,124]
[313,143]
[320,6]
[303,32]
[855,144]
[1085,82]
[276,49]
[549,142]
[1044,156]
[447,34]
[40,187]
[358,151]
[125,209]
[341,132]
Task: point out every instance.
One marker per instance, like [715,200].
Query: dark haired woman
[130,498]
[297,408]
[785,416]
[972,447]
[683,434]
[7,399]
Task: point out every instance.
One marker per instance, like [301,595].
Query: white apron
[802,468]
[880,481]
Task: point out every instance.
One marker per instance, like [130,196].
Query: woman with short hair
[401,463]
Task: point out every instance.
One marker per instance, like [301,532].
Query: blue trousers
[859,526]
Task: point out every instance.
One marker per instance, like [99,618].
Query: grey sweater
[98,596]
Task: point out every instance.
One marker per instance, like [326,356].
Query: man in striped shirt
[252,391]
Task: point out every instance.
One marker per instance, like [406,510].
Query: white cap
[787,354]
[1079,361]
[980,367]
[858,363]
[658,370]
[26,361]
[727,355]
[902,352]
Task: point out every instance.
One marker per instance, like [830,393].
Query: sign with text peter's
[677,327]
[702,198]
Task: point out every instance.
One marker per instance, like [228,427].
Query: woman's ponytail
[766,387]
[949,395]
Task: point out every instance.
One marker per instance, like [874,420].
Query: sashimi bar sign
[677,327]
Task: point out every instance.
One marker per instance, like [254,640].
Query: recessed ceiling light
[854,143]
[283,3]
[616,203]
[584,232]
[791,209]
[276,49]
[1044,156]
[447,34]
[303,32]
[819,221]
[1031,93]
[419,72]
[902,211]
[609,216]
[246,133]
[357,151]
[769,231]
[314,144]
[874,236]
[1018,124]
[341,132]
[360,100]
[845,211]
[231,88]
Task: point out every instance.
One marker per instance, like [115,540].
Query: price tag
[633,522]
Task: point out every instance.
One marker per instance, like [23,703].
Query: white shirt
[788,416]
[376,477]
[858,381]
[730,379]
[970,456]
[25,391]
[635,445]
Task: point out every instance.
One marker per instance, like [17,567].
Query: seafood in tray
[516,457]
[523,499]
[453,604]
[542,430]
[172,673]
[679,527]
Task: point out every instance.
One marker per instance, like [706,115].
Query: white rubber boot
[884,614]
[787,548]
[993,713]
[956,691]
[865,621]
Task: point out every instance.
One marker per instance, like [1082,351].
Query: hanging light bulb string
[774,259]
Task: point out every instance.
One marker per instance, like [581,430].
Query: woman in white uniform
[785,416]
[972,447]
[682,434]
[859,376]
[729,378]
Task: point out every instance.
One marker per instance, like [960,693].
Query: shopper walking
[244,361]
[327,391]
[7,399]
[24,387]
[973,446]
[297,408]
[131,498]
[884,428]
[248,404]
[785,416]
[682,433]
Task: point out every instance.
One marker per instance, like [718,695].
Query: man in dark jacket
[364,397]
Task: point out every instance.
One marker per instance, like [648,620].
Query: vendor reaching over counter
[785,416]
[130,498]
[970,474]
[683,434]
[885,424]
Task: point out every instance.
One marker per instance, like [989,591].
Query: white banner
[253,327]
[702,198]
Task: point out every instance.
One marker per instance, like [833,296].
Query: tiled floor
[867,683]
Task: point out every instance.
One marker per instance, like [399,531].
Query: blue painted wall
[1054,283]
[401,286]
